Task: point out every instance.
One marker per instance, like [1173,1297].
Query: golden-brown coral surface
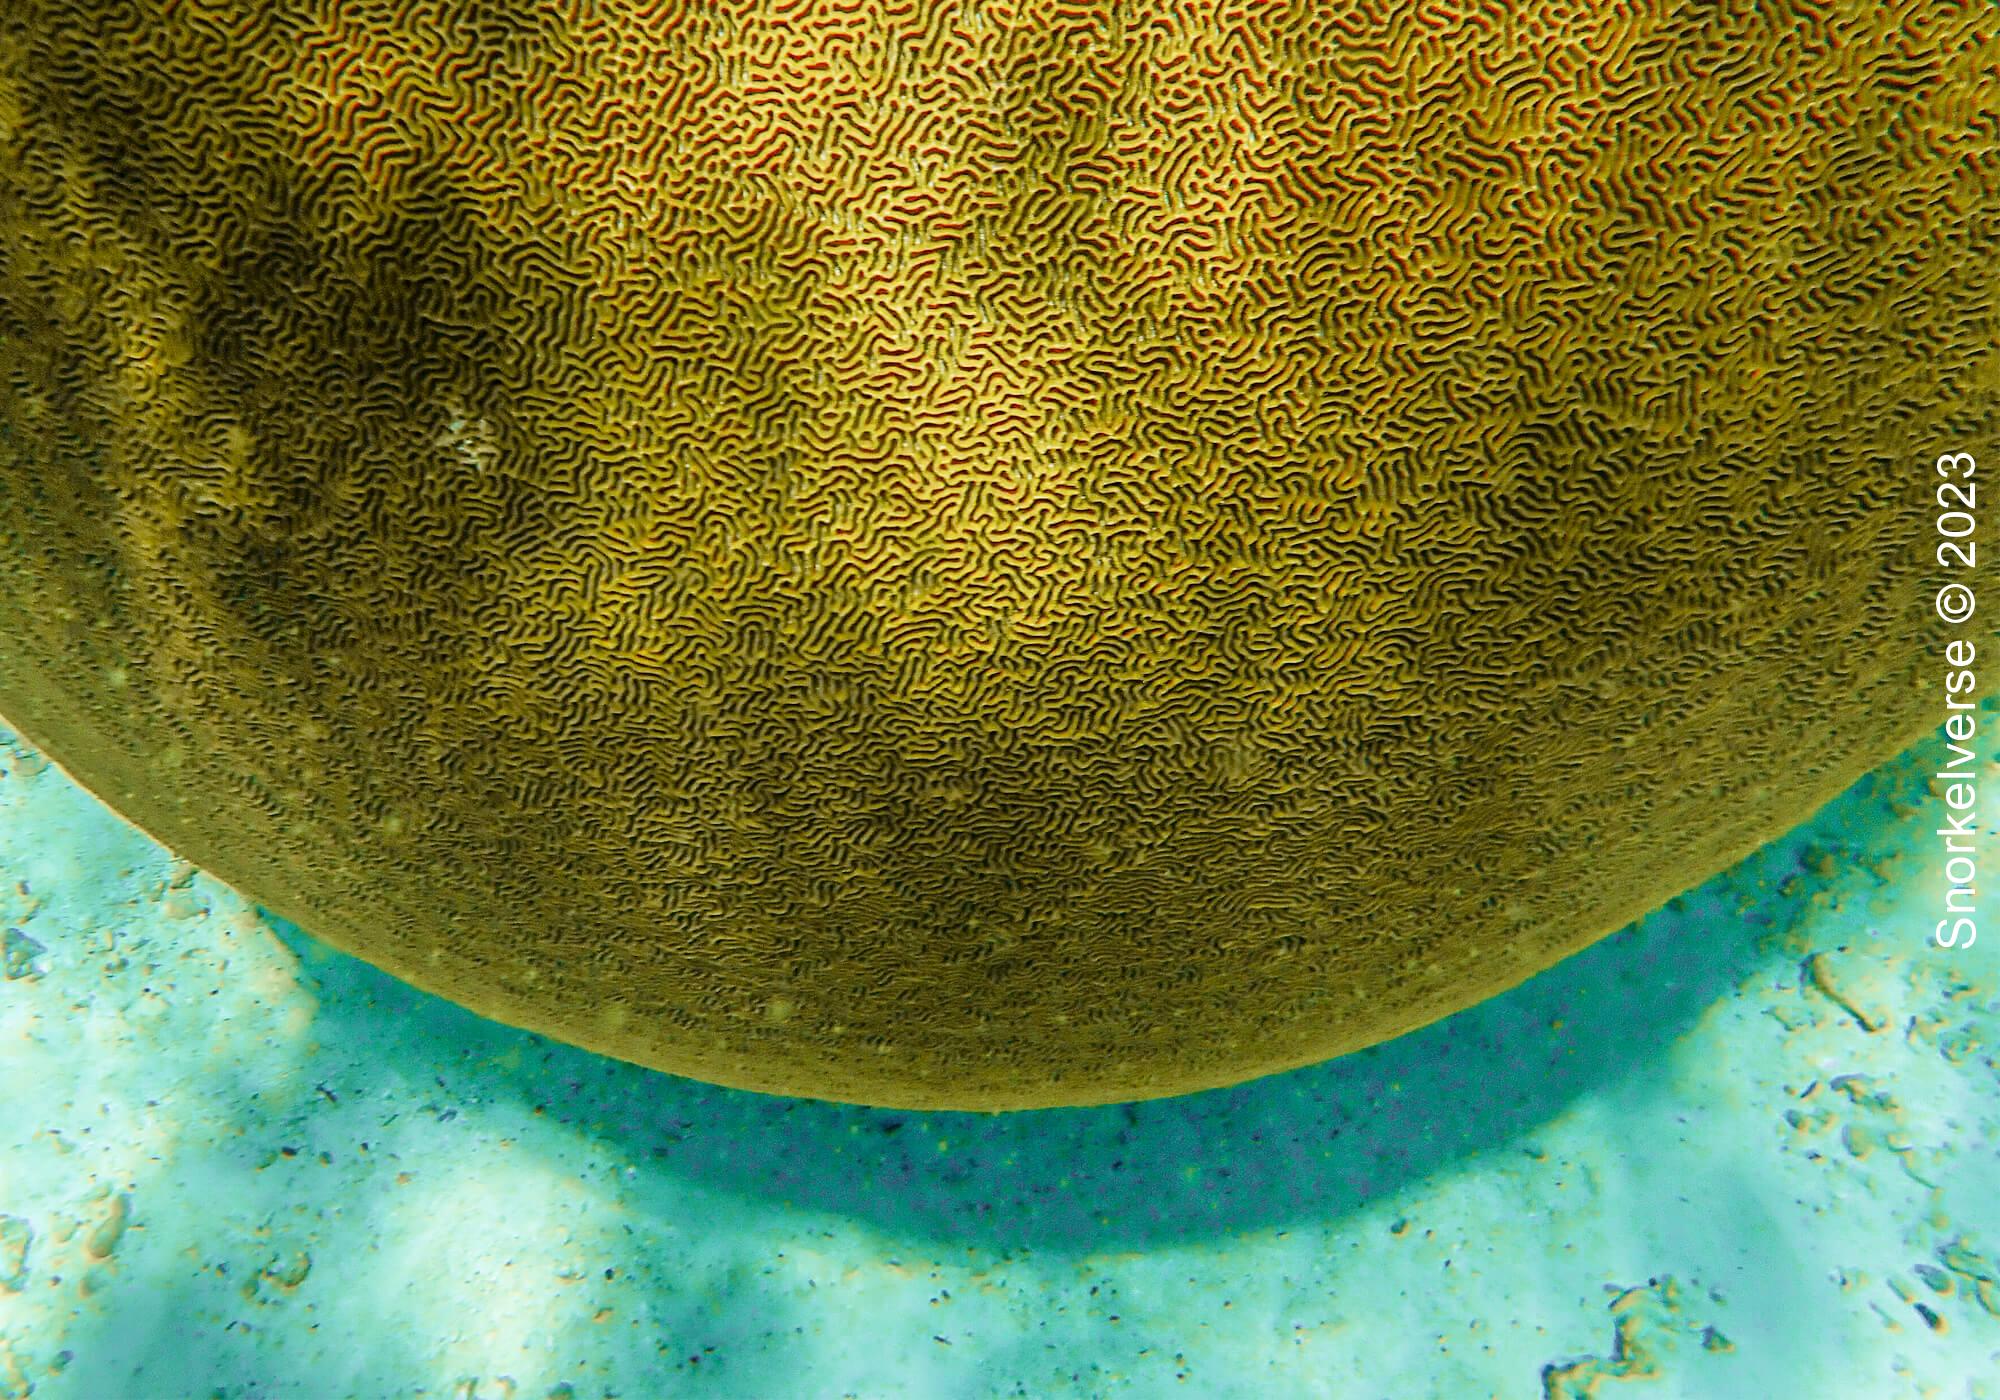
[979,555]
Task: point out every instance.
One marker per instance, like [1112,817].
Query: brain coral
[975,554]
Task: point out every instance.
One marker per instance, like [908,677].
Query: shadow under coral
[1305,1145]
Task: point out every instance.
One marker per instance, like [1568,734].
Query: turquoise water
[1748,1146]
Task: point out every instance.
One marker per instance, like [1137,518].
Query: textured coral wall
[975,556]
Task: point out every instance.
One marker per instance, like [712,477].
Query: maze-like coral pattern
[967,554]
